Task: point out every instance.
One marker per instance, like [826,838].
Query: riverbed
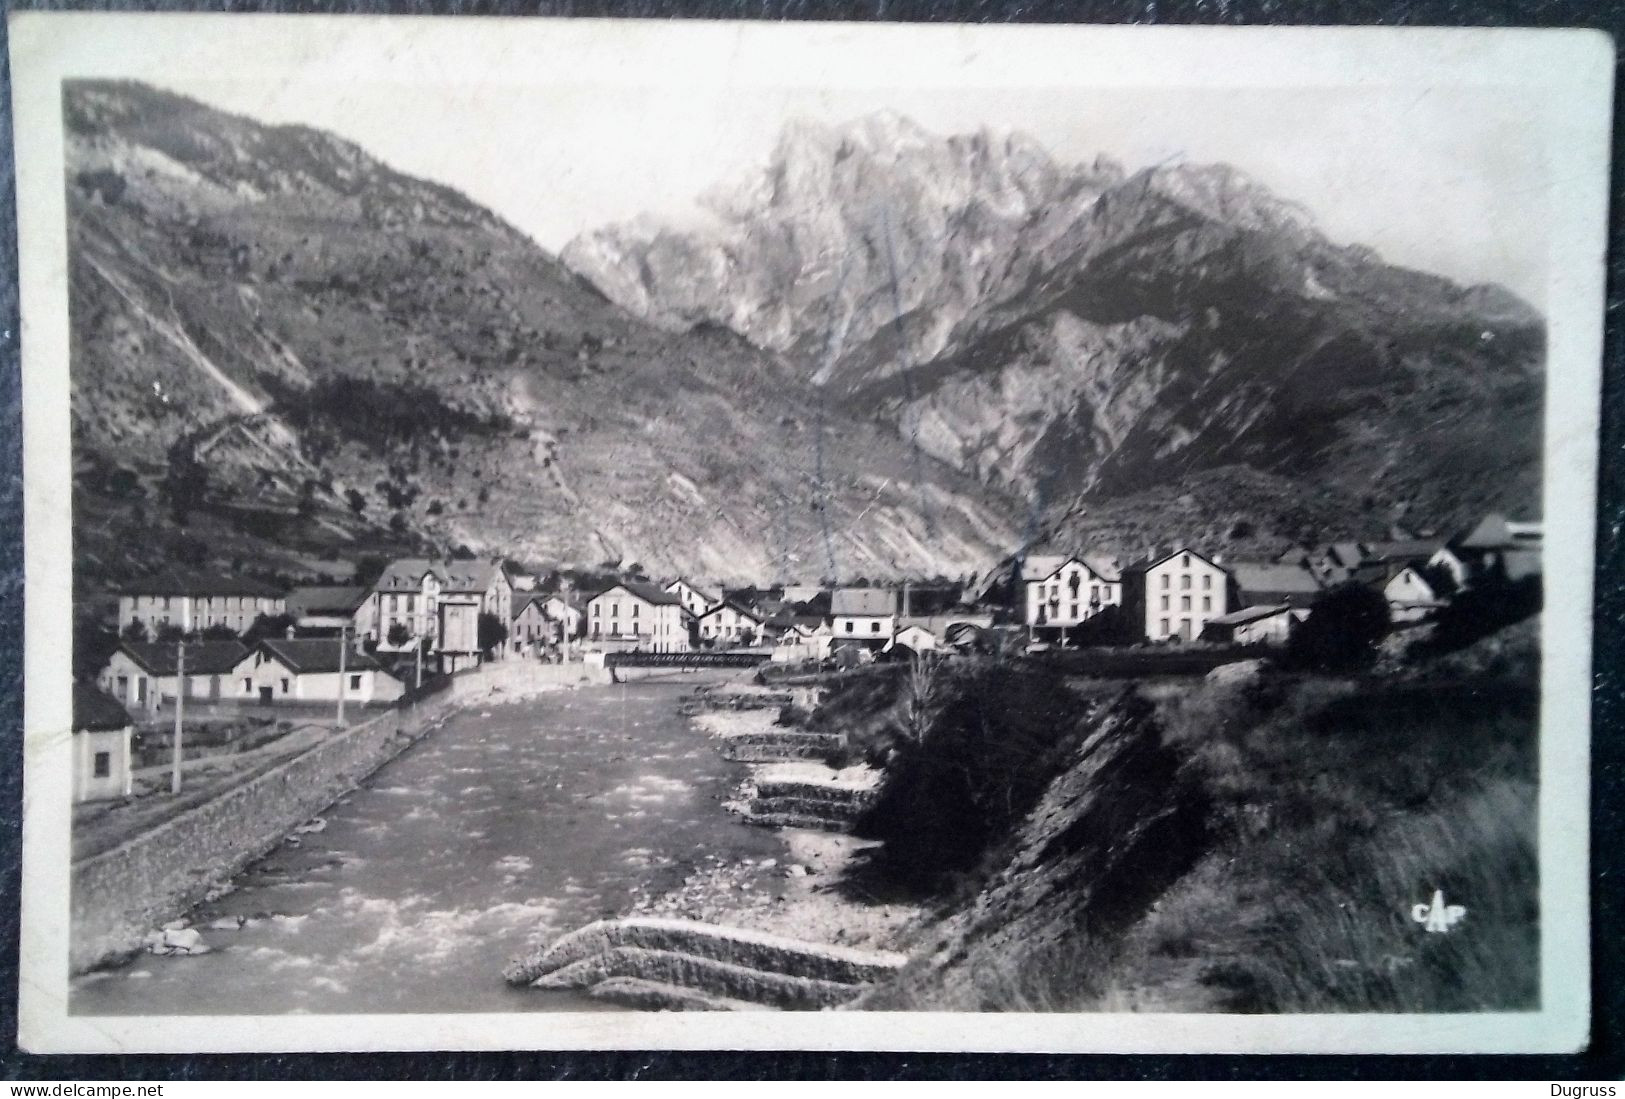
[509,826]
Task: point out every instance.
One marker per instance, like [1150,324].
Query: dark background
[1605,1059]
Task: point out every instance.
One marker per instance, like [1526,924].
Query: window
[123,686]
[595,609]
[1185,561]
[1184,602]
[1207,602]
[102,767]
[1207,581]
[634,610]
[284,686]
[248,685]
[849,627]
[614,610]
[1164,581]
[874,627]
[1184,583]
[166,605]
[1074,610]
[355,683]
[1165,602]
[1165,627]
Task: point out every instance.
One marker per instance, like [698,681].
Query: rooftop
[863,601]
[93,710]
[202,657]
[199,584]
[317,655]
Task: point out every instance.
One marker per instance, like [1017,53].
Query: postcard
[599,534]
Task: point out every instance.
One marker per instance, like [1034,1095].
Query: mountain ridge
[285,351]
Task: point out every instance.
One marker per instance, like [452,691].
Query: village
[210,649]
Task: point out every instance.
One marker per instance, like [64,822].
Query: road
[504,829]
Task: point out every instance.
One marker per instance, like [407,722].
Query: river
[500,831]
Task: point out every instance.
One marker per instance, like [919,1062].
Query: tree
[218,632]
[136,631]
[1343,629]
[269,625]
[170,633]
[358,502]
[186,481]
[93,646]
[493,632]
[399,634]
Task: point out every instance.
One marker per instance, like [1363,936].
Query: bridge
[684,660]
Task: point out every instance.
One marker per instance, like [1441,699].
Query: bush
[1489,605]
[1343,630]
[996,741]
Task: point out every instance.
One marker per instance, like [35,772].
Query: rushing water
[501,830]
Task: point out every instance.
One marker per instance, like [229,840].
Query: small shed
[1259,625]
[101,746]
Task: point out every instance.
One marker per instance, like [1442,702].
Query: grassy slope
[1257,846]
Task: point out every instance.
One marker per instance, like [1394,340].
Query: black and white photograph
[728,535]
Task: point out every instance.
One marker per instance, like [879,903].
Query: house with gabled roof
[1063,591]
[145,675]
[1411,595]
[404,605]
[311,670]
[865,616]
[329,608]
[639,616]
[730,623]
[472,588]
[695,601]
[1172,596]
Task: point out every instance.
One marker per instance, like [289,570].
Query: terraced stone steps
[778,745]
[711,966]
[658,996]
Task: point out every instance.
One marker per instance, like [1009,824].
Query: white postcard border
[1571,69]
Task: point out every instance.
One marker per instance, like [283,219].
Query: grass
[1329,807]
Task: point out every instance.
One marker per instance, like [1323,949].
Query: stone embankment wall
[122,893]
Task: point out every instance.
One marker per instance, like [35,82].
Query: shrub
[1342,631]
[983,761]
[1489,605]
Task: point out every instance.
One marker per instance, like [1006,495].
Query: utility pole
[180,697]
[417,647]
[344,631]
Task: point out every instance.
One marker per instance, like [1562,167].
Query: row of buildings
[453,614]
[1185,594]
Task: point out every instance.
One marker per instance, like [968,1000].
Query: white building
[419,599]
[142,676]
[195,603]
[1258,625]
[403,608]
[730,624]
[1066,591]
[101,746]
[331,608]
[864,615]
[637,615]
[1174,596]
[1410,597]
[313,670]
[695,601]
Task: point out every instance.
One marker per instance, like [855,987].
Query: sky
[1447,180]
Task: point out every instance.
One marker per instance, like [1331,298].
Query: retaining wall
[122,893]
